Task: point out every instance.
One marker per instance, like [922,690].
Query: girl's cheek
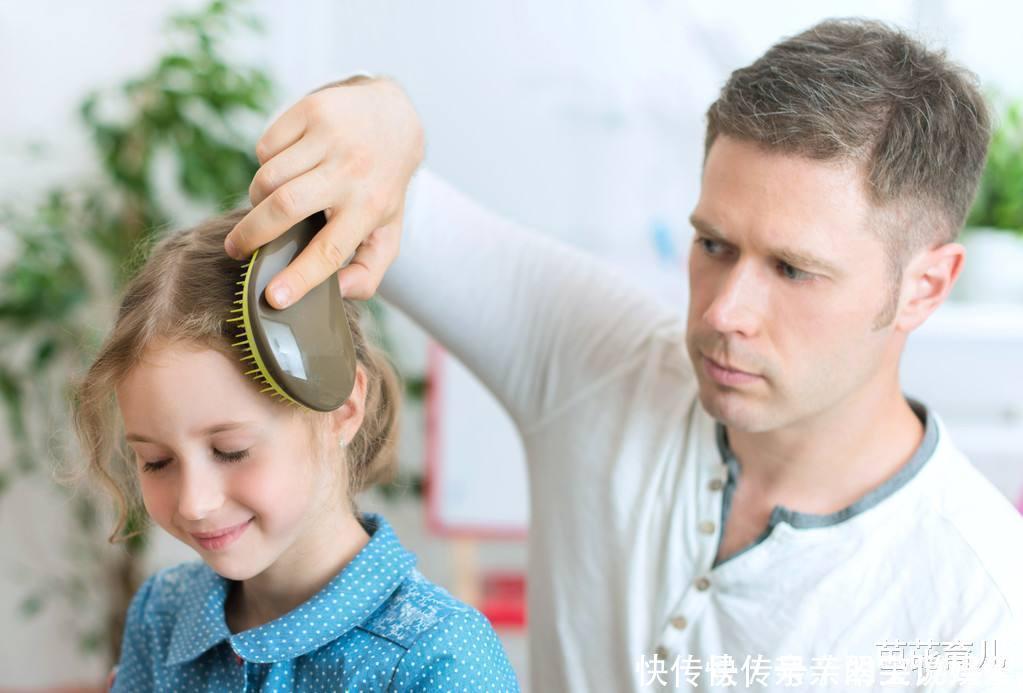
[255,485]
[275,488]
[158,500]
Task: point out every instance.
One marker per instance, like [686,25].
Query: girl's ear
[347,419]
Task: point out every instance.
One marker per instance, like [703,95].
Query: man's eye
[793,273]
[711,247]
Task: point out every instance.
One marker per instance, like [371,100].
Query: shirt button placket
[678,623]
[702,583]
[707,527]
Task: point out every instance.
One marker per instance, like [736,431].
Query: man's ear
[347,419]
[927,282]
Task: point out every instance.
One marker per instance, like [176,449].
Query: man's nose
[738,302]
[199,491]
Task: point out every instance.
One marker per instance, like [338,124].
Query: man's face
[786,282]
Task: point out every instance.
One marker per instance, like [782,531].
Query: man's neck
[826,463]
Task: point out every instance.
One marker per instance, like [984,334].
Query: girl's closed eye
[234,456]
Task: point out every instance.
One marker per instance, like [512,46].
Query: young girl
[296,589]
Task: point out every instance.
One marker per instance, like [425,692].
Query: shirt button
[661,653]
[702,583]
[716,485]
[707,527]
[679,622]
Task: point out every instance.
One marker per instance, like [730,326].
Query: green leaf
[999,201]
[85,512]
[12,394]
[92,640]
[31,606]
[415,388]
[45,351]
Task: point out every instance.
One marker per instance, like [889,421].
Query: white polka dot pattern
[378,625]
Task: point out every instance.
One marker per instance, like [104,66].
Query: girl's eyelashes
[225,456]
[231,456]
[154,466]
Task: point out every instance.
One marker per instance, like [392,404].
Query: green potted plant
[994,227]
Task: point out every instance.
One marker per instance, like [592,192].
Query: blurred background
[582,119]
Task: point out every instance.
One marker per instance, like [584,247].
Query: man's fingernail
[281,294]
[231,248]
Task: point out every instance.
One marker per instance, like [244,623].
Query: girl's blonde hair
[183,294]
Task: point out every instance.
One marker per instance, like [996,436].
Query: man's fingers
[287,165]
[285,207]
[361,278]
[324,256]
[284,132]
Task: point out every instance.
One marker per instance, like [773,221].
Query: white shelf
[975,321]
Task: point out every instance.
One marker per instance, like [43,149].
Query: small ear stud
[343,443]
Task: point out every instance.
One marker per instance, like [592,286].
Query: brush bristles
[244,343]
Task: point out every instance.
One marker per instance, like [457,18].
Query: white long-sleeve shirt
[630,480]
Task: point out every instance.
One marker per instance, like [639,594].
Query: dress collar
[347,600]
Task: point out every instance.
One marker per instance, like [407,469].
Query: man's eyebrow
[790,256]
[216,428]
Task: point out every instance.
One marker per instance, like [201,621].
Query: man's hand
[349,150]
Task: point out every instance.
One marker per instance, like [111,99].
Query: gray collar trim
[800,520]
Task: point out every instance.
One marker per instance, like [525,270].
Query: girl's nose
[199,492]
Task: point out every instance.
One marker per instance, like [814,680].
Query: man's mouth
[726,375]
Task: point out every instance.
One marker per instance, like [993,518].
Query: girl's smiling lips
[221,538]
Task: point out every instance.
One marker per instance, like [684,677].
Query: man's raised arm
[538,322]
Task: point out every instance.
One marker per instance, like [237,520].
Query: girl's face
[221,467]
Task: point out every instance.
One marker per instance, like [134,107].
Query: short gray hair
[861,91]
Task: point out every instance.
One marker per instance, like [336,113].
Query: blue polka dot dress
[378,625]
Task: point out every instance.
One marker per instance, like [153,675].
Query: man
[747,499]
